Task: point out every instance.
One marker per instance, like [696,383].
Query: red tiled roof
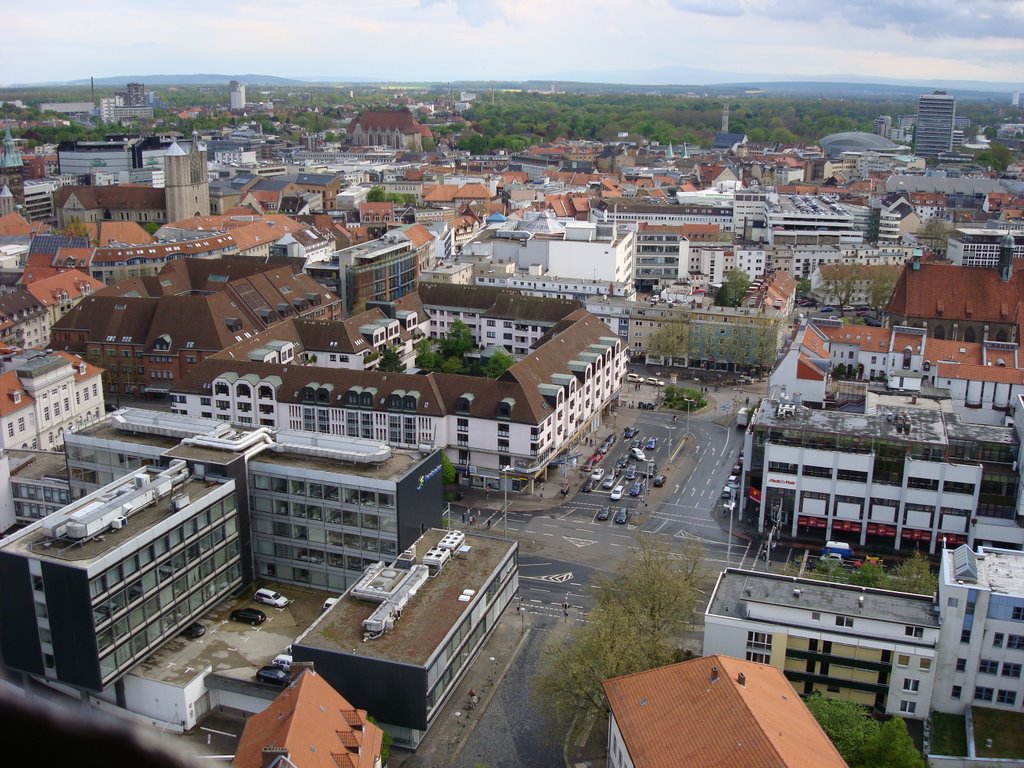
[952,292]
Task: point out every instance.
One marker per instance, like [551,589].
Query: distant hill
[189,80]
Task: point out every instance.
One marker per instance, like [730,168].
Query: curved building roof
[856,141]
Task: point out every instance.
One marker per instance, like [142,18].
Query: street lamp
[689,407]
[504,507]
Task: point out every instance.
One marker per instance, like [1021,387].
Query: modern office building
[907,473]
[981,644]
[936,116]
[873,646]
[97,587]
[414,625]
[237,95]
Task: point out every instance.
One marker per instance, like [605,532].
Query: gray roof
[962,185]
[736,588]
[854,141]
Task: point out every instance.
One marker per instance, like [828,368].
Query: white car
[637,454]
[655,382]
[617,492]
[633,377]
[597,475]
[609,482]
[270,597]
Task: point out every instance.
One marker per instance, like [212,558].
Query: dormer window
[233,323]
[409,403]
[464,404]
[243,390]
[366,399]
[16,396]
[505,408]
[266,392]
[220,388]
[308,394]
[323,395]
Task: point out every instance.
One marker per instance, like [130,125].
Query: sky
[636,41]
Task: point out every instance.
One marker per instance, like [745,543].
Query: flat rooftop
[926,422]
[392,470]
[38,465]
[427,617]
[737,587]
[1000,571]
[35,542]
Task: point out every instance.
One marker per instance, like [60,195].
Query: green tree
[890,747]
[391,361]
[376,195]
[498,363]
[881,283]
[638,621]
[671,340]
[458,342]
[448,473]
[935,235]
[847,723]
[914,575]
[426,358]
[840,283]
[870,575]
[151,226]
[452,365]
[803,287]
[735,286]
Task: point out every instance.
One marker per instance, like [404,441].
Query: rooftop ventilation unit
[436,558]
[452,540]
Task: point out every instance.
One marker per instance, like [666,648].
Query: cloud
[477,13]
[981,19]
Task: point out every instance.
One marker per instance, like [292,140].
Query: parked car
[622,516]
[638,454]
[109,407]
[734,481]
[270,597]
[283,661]
[828,309]
[659,481]
[621,463]
[874,322]
[609,482]
[604,513]
[630,473]
[252,616]
[194,630]
[273,675]
[655,382]
[630,432]
[588,485]
[634,377]
[727,492]
[617,492]
[636,488]
[597,475]
[848,308]
[652,444]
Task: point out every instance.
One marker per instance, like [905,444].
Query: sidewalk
[458,717]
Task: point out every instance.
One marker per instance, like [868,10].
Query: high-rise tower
[933,133]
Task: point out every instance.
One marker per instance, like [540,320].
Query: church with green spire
[12,175]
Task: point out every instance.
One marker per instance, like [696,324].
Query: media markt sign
[429,476]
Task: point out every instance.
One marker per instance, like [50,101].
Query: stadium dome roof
[856,141]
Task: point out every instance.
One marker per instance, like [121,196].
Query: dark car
[588,485]
[659,481]
[194,630]
[252,616]
[636,489]
[630,432]
[604,513]
[874,322]
[652,444]
[622,516]
[109,407]
[273,675]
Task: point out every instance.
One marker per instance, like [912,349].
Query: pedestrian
[463,517]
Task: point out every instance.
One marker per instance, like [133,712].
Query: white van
[329,602]
[270,597]
[282,661]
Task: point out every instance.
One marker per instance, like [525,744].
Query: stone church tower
[12,176]
[186,186]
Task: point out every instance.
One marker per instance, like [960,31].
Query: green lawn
[949,735]
[1006,729]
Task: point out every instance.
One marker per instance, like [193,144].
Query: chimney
[270,754]
[741,680]
[714,674]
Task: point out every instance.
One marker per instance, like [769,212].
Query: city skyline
[680,41]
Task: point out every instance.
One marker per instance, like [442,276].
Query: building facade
[933,132]
[873,646]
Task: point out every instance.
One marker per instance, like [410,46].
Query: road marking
[676,490]
[613,544]
[663,524]
[579,542]
[534,565]
[545,533]
[557,578]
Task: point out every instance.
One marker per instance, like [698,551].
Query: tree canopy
[735,286]
[640,615]
[863,741]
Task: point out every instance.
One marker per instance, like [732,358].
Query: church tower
[186,187]
[12,175]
